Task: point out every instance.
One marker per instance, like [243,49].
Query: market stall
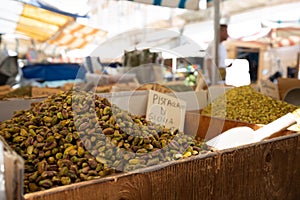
[113,176]
[269,51]
[125,133]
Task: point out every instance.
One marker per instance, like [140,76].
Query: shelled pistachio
[248,105]
[76,136]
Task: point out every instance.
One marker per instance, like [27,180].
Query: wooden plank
[268,170]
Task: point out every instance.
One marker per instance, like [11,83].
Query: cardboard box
[13,173]
[267,170]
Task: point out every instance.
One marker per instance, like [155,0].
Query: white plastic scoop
[239,136]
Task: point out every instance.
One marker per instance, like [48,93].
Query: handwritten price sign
[166,110]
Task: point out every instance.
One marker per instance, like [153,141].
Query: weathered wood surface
[268,170]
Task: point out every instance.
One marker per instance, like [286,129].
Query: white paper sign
[166,110]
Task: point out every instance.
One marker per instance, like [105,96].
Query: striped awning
[186,4]
[31,21]
[287,36]
[77,36]
[45,26]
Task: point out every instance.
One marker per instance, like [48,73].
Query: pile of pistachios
[24,91]
[75,136]
[247,105]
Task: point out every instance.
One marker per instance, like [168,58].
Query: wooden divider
[207,127]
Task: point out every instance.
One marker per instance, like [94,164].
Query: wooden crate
[266,170]
[207,127]
[44,92]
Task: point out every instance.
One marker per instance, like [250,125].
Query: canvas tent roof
[248,25]
[30,24]
[34,22]
[275,37]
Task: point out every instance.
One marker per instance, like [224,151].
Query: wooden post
[216,41]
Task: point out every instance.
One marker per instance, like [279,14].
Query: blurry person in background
[222,55]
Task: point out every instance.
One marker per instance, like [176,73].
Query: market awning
[187,4]
[77,36]
[46,25]
[63,7]
[31,21]
[288,36]
[277,37]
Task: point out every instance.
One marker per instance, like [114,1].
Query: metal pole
[215,71]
